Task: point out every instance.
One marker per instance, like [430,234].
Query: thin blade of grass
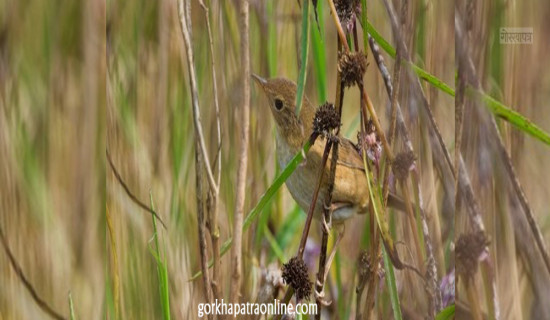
[264,201]
[71,307]
[319,57]
[392,287]
[513,117]
[162,269]
[303,57]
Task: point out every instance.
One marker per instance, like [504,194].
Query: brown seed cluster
[352,66]
[402,164]
[347,10]
[326,119]
[295,273]
[468,251]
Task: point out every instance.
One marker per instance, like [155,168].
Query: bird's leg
[328,224]
[320,296]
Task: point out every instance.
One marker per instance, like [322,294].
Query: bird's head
[281,95]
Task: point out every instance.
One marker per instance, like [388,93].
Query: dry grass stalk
[185,24]
[236,250]
[213,212]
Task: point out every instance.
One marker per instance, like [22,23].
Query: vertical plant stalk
[309,217]
[202,227]
[393,97]
[185,23]
[328,201]
[236,251]
[213,214]
[412,223]
[433,288]
[473,298]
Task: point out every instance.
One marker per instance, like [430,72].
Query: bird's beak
[261,81]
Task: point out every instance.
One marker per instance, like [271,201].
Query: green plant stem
[303,57]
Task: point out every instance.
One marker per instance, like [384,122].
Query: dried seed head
[326,119]
[364,266]
[352,66]
[347,11]
[402,164]
[470,249]
[295,273]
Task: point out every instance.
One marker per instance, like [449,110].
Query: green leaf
[513,117]
[447,313]
[392,287]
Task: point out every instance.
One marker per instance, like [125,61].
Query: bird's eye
[278,104]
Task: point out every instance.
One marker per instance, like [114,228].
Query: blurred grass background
[52,137]
[79,76]
[516,75]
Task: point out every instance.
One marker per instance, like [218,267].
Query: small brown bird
[350,194]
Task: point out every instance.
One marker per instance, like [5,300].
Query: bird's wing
[350,185]
[349,156]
